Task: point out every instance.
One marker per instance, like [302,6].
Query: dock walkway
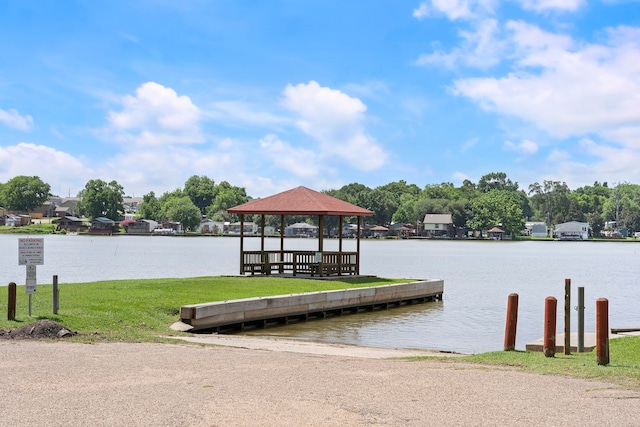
[258,312]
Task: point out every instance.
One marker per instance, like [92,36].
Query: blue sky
[269,95]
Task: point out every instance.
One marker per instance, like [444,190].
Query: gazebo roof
[300,201]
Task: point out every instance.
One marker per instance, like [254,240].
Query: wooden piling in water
[602,331]
[511,324]
[550,310]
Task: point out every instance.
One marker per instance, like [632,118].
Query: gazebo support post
[241,244]
[263,256]
[321,242]
[358,248]
[281,236]
[340,245]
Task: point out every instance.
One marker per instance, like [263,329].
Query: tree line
[495,200]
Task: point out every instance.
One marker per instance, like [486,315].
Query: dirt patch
[42,329]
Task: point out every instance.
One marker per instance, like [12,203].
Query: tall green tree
[496,181]
[445,191]
[550,201]
[24,193]
[150,207]
[101,199]
[497,207]
[227,196]
[182,210]
[201,190]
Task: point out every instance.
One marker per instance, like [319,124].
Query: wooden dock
[239,314]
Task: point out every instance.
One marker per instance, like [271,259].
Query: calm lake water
[478,277]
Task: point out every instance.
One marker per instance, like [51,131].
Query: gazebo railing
[300,262]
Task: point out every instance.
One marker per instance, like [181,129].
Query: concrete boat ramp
[239,314]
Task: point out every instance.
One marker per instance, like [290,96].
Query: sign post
[31,254]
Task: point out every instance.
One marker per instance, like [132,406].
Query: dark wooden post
[11,303]
[567,316]
[550,310]
[602,331]
[512,322]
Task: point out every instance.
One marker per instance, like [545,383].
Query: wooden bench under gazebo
[300,201]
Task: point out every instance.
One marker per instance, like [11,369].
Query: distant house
[350,230]
[168,228]
[572,230]
[66,206]
[102,225]
[46,210]
[250,228]
[209,226]
[142,226]
[537,229]
[269,230]
[71,224]
[438,225]
[131,204]
[301,229]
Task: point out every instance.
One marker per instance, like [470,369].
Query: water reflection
[371,328]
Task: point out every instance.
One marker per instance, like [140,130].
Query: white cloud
[335,120]
[156,115]
[298,161]
[422,11]
[453,9]
[60,170]
[558,156]
[13,119]
[612,164]
[565,88]
[556,5]
[242,112]
[460,176]
[480,48]
[524,147]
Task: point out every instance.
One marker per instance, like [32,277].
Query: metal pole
[567,316]
[512,322]
[550,310]
[29,305]
[56,294]
[580,319]
[11,304]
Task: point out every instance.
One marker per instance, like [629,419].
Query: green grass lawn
[623,369]
[143,310]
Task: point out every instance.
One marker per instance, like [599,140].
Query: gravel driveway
[72,384]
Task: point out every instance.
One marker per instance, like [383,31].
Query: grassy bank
[623,369]
[29,229]
[142,310]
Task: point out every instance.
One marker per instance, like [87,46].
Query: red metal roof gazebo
[300,201]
